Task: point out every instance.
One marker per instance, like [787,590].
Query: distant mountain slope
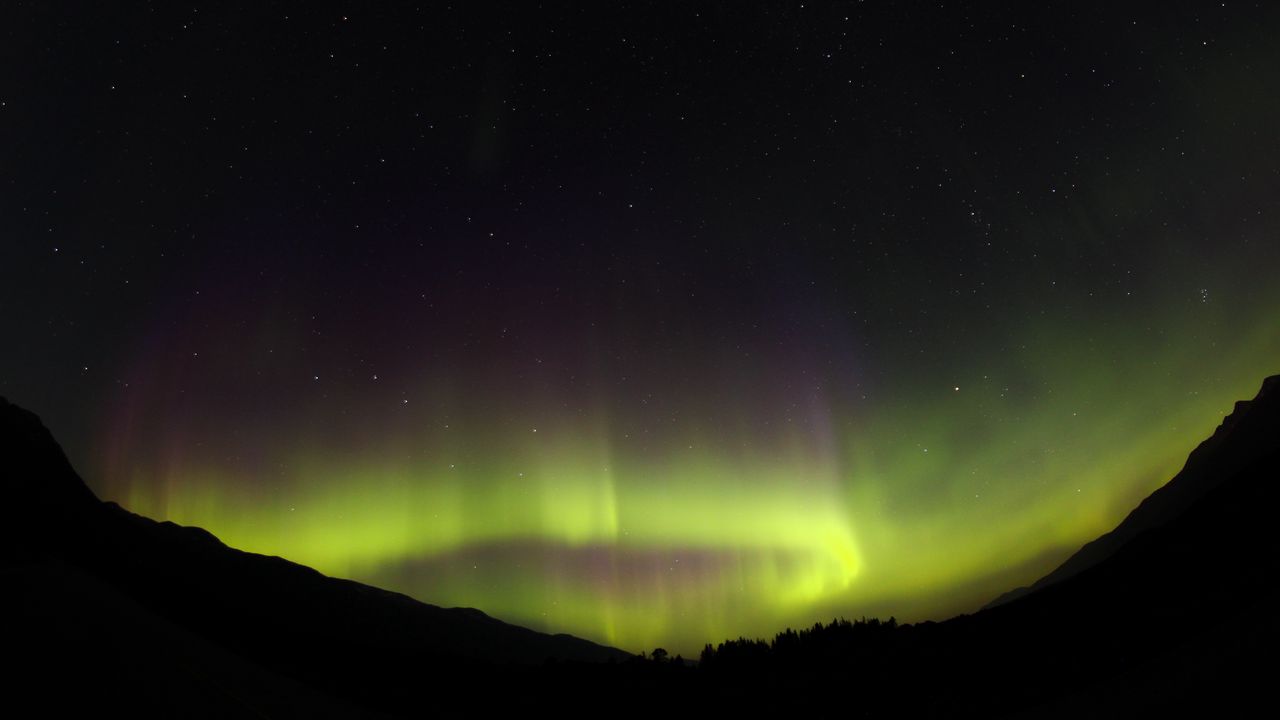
[180,587]
[1181,615]
[105,609]
[1243,437]
[1178,620]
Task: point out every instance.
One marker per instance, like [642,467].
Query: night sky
[651,324]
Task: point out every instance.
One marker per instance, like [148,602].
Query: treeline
[839,642]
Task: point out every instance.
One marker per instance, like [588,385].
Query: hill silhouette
[72,557]
[1173,611]
[1236,443]
[1179,616]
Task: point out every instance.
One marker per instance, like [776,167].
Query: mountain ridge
[1176,616]
[1207,466]
[57,514]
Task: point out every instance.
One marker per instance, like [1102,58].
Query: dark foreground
[108,612]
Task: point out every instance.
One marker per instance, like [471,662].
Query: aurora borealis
[653,325]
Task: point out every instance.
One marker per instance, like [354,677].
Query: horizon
[657,326]
[847,604]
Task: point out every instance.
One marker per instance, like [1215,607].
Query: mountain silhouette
[262,623]
[1245,436]
[1171,612]
[1174,614]
[1175,608]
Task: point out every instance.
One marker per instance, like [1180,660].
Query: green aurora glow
[756,319]
[921,503]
